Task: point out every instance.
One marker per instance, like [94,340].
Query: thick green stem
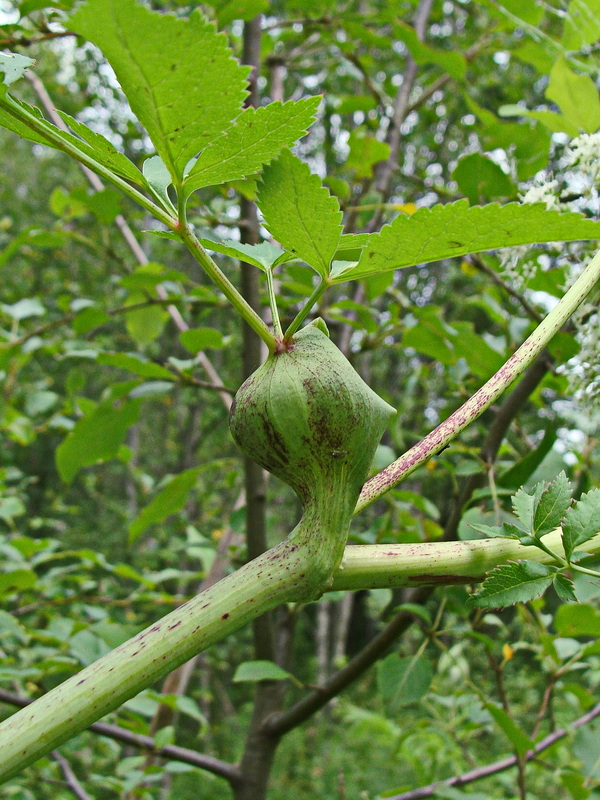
[439,563]
[244,309]
[283,574]
[435,441]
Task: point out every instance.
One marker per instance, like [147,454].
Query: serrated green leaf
[169,500]
[15,123]
[96,437]
[576,95]
[197,339]
[564,588]
[184,94]
[256,137]
[581,522]
[516,582]
[260,671]
[552,505]
[299,212]
[264,255]
[515,735]
[456,229]
[103,151]
[492,531]
[524,505]
[13,65]
[91,144]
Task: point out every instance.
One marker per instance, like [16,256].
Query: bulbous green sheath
[307,417]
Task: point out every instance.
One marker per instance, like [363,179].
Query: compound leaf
[180,77]
[581,522]
[456,229]
[256,137]
[516,582]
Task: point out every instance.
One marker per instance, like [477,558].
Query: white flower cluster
[516,267]
[518,263]
[584,376]
[578,189]
[545,192]
[584,153]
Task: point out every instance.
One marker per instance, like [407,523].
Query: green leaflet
[169,500]
[300,212]
[582,521]
[95,437]
[13,65]
[256,137]
[516,582]
[456,229]
[98,146]
[264,255]
[184,94]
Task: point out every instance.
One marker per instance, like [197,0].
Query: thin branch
[279,724]
[499,766]
[68,318]
[27,41]
[495,435]
[70,777]
[394,135]
[436,440]
[170,752]
[479,264]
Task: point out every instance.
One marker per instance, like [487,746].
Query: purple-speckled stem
[484,397]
